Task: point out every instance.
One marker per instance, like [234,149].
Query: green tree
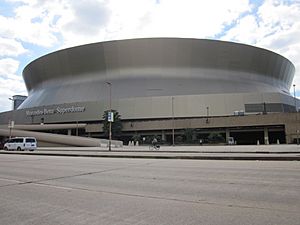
[136,138]
[116,126]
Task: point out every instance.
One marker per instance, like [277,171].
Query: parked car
[21,144]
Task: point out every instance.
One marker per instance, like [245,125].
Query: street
[82,190]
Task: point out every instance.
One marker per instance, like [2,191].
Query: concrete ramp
[61,140]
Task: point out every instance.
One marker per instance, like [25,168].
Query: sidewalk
[247,152]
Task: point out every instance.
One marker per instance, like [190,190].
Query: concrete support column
[227,135]
[289,131]
[194,137]
[266,135]
[69,132]
[163,135]
[288,139]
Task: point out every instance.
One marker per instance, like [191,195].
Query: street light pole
[207,114]
[297,131]
[110,133]
[294,85]
[11,122]
[12,103]
[173,125]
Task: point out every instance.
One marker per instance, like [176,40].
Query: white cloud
[189,18]
[246,29]
[88,17]
[11,47]
[8,88]
[8,67]
[31,25]
[83,21]
[57,22]
[10,83]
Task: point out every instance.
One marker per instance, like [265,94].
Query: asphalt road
[74,190]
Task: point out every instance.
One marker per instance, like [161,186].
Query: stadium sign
[58,110]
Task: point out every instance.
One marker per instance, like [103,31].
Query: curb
[221,152]
[250,158]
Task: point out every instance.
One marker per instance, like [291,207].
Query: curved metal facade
[143,70]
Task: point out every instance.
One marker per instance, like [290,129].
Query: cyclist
[154,144]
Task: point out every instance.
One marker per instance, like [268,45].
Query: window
[30,140]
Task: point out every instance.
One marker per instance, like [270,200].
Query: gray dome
[148,67]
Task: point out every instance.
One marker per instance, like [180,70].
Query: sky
[32,28]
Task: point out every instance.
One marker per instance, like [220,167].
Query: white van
[21,144]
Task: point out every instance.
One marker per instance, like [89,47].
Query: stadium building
[162,86]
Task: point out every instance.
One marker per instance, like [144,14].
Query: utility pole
[109,117]
[173,124]
[11,122]
[11,125]
[297,131]
[207,114]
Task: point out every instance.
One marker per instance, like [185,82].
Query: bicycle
[154,147]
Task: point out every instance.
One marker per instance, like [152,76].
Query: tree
[116,126]
[136,138]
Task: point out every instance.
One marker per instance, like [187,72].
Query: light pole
[294,85]
[110,133]
[12,103]
[207,114]
[297,131]
[11,122]
[76,128]
[173,124]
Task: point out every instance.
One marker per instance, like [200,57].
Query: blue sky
[32,28]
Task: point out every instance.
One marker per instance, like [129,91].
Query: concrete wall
[290,121]
[149,108]
[60,140]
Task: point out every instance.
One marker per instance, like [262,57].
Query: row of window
[20,140]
